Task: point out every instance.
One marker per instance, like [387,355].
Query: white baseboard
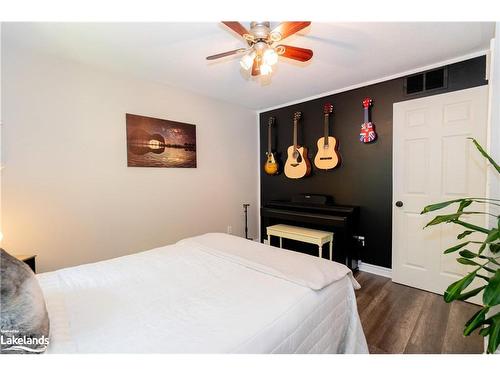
[376,270]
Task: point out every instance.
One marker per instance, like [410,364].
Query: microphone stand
[245,207]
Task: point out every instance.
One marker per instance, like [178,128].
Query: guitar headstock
[327,108]
[271,121]
[297,115]
[367,103]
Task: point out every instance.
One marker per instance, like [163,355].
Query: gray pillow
[24,322]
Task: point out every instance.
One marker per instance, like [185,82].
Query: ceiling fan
[261,55]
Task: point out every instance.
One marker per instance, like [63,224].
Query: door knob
[399,204]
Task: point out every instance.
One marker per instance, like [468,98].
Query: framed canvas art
[153,142]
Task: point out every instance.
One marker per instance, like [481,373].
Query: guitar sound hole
[297,156]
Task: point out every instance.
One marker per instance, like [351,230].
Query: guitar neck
[366,116]
[269,139]
[325,122]
[294,134]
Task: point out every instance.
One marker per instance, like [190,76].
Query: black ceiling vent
[414,84]
[429,81]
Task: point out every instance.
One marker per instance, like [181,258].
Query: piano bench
[312,236]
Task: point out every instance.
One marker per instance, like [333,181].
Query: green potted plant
[482,255]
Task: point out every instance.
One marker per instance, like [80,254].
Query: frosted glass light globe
[270,57]
[246,61]
[265,69]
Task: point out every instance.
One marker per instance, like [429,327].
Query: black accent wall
[364,178]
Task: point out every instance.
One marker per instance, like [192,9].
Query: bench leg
[320,251]
[331,250]
[269,239]
[281,242]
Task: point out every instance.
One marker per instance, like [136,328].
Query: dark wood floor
[400,319]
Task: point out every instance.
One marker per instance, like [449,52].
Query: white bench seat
[312,236]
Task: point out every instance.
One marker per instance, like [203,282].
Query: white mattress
[209,294]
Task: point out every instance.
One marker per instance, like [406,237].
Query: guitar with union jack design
[367,134]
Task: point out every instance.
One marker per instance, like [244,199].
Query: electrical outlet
[229,229]
[360,239]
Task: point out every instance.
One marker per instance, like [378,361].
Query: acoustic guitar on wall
[297,164]
[271,166]
[327,156]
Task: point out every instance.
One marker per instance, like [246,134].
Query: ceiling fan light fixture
[246,61]
[270,57]
[265,69]
[260,55]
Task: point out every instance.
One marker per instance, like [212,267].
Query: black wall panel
[365,176]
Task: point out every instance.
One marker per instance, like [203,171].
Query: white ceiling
[345,54]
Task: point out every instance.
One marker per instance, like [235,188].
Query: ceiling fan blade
[224,54]
[295,53]
[285,29]
[236,27]
[256,67]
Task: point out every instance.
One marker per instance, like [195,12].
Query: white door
[433,161]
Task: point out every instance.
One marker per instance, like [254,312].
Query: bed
[213,293]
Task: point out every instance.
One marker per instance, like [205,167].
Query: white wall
[67,193]
[494,125]
[1,234]
[494,135]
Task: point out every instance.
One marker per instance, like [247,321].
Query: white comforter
[208,294]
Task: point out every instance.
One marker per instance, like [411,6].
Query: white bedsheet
[208,294]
